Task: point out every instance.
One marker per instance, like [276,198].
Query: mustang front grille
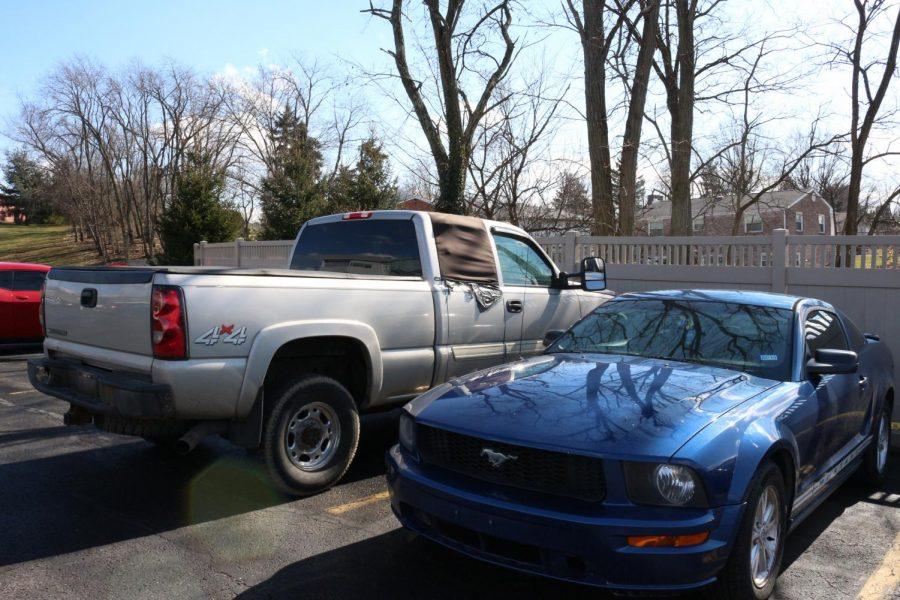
[556,473]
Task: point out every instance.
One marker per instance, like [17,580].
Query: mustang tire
[755,560]
[310,435]
[875,459]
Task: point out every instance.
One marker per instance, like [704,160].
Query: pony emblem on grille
[497,459]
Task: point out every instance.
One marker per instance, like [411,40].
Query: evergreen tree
[27,189]
[368,186]
[292,192]
[196,212]
[572,198]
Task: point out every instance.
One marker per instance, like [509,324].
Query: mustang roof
[767,299]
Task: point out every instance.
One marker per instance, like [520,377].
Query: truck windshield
[386,247]
[754,339]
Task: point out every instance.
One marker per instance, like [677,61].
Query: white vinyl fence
[858,274]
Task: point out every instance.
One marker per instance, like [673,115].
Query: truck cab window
[380,247]
[521,264]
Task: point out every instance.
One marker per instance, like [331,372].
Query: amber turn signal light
[667,541]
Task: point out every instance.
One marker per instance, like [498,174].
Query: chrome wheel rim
[765,538]
[882,449]
[312,436]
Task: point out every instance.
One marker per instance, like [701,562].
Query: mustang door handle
[863,382]
[21,297]
[514,306]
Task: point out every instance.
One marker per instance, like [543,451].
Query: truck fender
[270,339]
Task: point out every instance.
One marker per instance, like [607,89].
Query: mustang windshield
[755,339]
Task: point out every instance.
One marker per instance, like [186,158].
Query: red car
[20,302]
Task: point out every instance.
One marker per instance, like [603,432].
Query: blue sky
[38,34]
[232,37]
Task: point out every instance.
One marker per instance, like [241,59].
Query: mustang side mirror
[551,336]
[593,274]
[833,362]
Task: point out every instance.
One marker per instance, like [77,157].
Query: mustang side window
[823,330]
[5,280]
[521,264]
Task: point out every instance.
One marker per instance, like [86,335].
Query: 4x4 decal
[229,334]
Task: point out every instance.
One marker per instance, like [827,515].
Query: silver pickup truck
[373,309]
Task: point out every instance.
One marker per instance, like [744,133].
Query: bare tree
[597,28]
[462,46]
[510,168]
[638,88]
[867,90]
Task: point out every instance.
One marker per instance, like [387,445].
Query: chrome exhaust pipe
[189,440]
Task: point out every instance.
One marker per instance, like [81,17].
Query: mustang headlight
[664,484]
[407,432]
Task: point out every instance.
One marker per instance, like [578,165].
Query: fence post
[237,252]
[779,260]
[196,254]
[569,240]
[202,253]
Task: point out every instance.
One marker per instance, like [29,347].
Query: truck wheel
[310,435]
[875,459]
[755,559]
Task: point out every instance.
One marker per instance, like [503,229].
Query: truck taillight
[41,317]
[167,322]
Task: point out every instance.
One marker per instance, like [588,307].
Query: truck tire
[310,435]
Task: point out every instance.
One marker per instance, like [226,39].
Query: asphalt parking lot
[92,515]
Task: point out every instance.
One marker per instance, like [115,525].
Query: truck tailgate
[101,307]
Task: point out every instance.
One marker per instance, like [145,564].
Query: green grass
[48,244]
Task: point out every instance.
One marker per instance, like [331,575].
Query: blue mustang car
[667,441]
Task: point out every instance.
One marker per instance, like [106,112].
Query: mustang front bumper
[590,549]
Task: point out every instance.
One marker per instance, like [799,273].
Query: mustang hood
[589,404]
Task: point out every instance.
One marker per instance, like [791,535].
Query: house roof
[708,206]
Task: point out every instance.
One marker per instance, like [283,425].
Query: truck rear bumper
[101,392]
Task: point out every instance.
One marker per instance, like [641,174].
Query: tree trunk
[452,184]
[681,107]
[592,41]
[631,141]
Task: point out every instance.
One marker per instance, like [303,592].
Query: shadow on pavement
[834,506]
[391,566]
[83,498]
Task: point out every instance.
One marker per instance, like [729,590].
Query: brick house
[8,212]
[801,213]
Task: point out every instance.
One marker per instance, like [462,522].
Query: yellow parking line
[886,578]
[895,426]
[342,508]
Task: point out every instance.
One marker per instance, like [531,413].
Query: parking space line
[886,578]
[21,392]
[342,508]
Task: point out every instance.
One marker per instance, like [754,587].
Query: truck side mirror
[593,274]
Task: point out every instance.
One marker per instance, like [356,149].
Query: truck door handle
[514,306]
[863,382]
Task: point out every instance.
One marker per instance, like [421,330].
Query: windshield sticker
[768,357]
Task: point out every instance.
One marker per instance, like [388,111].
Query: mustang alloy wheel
[310,434]
[765,538]
[876,458]
[755,561]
